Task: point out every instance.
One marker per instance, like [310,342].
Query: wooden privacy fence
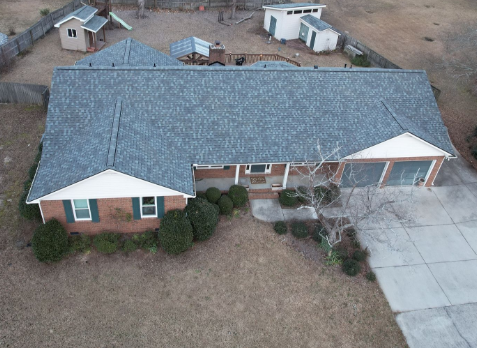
[253,58]
[26,39]
[22,93]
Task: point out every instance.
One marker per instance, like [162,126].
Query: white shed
[317,34]
[283,21]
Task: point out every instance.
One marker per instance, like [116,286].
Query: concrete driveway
[429,275]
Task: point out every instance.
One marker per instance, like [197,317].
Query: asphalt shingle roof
[129,52]
[173,117]
[83,13]
[189,45]
[316,22]
[292,5]
[95,23]
[3,39]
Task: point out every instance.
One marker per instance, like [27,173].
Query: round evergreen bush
[79,243]
[226,205]
[106,243]
[318,232]
[239,195]
[201,195]
[371,276]
[129,246]
[351,267]
[28,211]
[359,255]
[280,227]
[288,198]
[175,232]
[304,191]
[217,208]
[299,230]
[50,241]
[213,194]
[203,217]
[341,252]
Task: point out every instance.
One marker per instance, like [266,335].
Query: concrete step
[262,195]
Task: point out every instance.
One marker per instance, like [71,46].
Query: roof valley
[113,141]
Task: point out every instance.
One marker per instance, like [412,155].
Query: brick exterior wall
[109,219]
[215,173]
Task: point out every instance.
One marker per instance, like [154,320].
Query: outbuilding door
[303,32]
[408,172]
[362,174]
[273,25]
[313,37]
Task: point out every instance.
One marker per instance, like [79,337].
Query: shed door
[303,32]
[273,25]
[404,173]
[362,174]
[313,37]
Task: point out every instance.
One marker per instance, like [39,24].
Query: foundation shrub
[239,195]
[175,233]
[50,242]
[213,194]
[203,217]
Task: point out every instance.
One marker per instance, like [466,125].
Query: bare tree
[357,206]
[232,9]
[140,8]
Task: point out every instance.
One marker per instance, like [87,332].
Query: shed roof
[292,5]
[129,52]
[238,115]
[95,23]
[82,14]
[316,22]
[189,45]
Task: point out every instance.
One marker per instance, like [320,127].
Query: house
[282,21]
[82,30]
[317,34]
[143,139]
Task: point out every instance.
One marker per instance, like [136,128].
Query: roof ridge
[113,140]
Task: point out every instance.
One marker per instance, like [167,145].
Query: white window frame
[72,37]
[268,168]
[209,167]
[383,174]
[155,207]
[74,210]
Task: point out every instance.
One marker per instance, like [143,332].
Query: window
[210,167]
[148,207]
[298,12]
[81,209]
[306,11]
[315,10]
[258,168]
[71,32]
[289,12]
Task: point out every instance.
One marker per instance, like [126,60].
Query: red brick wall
[215,173]
[277,169]
[109,219]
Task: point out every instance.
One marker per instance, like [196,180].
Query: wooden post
[42,27]
[18,45]
[104,34]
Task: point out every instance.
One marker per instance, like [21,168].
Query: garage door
[362,174]
[404,173]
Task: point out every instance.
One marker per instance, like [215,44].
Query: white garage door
[362,174]
[408,172]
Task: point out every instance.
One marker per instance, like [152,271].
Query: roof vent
[154,64]
[113,65]
[315,67]
[90,65]
[345,65]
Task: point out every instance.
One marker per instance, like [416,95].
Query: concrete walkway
[429,276]
[271,211]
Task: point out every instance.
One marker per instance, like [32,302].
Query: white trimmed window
[210,167]
[265,168]
[81,209]
[148,207]
[71,33]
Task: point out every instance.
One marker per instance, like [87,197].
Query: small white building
[317,34]
[283,21]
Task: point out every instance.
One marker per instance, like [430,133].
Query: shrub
[146,240]
[79,243]
[203,217]
[327,194]
[280,227]
[106,242]
[50,241]
[28,211]
[32,171]
[226,205]
[27,185]
[351,267]
[318,232]
[129,246]
[299,230]
[45,12]
[359,255]
[201,195]
[361,60]
[304,191]
[217,208]
[342,253]
[239,195]
[474,152]
[288,198]
[213,194]
[175,233]
[371,276]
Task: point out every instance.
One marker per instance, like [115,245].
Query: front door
[303,32]
[273,25]
[313,37]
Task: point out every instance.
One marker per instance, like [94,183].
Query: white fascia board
[313,28]
[294,8]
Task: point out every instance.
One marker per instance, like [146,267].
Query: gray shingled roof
[226,115]
[95,23]
[292,5]
[273,64]
[3,38]
[316,22]
[83,13]
[189,45]
[129,52]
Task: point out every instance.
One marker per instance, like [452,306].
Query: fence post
[5,62]
[31,36]
[18,45]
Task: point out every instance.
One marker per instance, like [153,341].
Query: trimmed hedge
[50,242]
[28,211]
[351,267]
[239,195]
[299,230]
[303,190]
[106,243]
[359,255]
[201,195]
[129,246]
[175,233]
[288,198]
[226,205]
[79,243]
[203,217]
[280,227]
[213,194]
[32,170]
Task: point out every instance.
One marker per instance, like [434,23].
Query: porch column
[237,171]
[285,176]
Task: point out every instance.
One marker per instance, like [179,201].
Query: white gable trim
[315,29]
[57,25]
[404,145]
[294,8]
[110,184]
